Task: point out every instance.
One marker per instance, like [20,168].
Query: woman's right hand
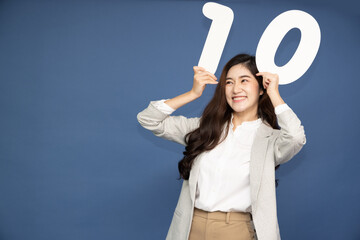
[201,78]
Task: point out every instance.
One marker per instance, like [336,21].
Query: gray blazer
[271,147]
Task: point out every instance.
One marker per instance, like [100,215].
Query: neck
[239,118]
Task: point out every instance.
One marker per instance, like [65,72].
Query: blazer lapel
[257,158]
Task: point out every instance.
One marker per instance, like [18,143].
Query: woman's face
[242,90]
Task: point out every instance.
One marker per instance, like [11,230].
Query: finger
[208,74]
[211,82]
[207,79]
[199,69]
[196,69]
[211,75]
[261,73]
[265,84]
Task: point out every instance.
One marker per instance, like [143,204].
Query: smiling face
[242,92]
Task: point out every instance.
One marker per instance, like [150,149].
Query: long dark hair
[217,115]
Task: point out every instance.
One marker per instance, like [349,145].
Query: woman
[231,153]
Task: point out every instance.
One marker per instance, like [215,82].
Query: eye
[243,80]
[229,82]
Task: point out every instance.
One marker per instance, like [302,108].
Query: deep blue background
[74,162]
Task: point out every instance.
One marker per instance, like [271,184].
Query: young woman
[231,153]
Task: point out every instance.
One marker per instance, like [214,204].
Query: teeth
[237,98]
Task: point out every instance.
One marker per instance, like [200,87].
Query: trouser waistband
[226,216]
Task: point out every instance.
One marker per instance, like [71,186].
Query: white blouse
[224,175]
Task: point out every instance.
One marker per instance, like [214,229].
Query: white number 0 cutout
[270,40]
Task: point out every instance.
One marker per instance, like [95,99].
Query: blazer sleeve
[173,128]
[291,137]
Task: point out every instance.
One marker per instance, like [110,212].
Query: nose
[237,87]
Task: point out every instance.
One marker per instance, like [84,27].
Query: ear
[261,92]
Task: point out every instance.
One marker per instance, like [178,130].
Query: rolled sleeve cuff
[281,108]
[163,107]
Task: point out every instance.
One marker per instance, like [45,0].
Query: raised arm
[156,116]
[201,78]
[291,137]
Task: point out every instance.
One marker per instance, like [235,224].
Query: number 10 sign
[222,18]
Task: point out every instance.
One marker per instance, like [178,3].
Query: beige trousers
[221,226]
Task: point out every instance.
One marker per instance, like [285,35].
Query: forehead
[238,70]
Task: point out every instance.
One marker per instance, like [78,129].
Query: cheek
[228,91]
[255,90]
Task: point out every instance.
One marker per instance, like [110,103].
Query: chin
[238,109]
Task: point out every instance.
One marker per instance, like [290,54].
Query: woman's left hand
[270,81]
[271,84]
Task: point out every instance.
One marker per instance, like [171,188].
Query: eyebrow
[242,76]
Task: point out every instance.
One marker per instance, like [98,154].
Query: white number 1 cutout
[222,17]
[300,62]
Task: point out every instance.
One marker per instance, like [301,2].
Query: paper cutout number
[305,53]
[222,17]
[302,59]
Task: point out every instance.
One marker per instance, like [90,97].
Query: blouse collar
[247,124]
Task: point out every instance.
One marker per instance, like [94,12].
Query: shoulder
[267,130]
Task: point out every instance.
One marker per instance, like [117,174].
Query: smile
[239,99]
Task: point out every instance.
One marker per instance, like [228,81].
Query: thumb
[198,69]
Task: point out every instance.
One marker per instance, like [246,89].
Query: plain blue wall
[74,162]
